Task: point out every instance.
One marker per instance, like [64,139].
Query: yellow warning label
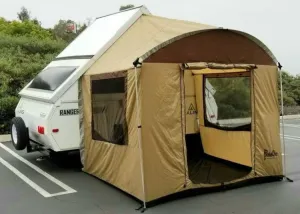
[191,109]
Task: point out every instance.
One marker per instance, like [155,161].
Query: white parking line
[25,179]
[39,189]
[291,138]
[291,125]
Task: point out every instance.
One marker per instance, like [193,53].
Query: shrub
[21,58]
[7,112]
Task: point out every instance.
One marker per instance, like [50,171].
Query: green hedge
[21,58]
[7,111]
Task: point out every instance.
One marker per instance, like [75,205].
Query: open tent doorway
[219,142]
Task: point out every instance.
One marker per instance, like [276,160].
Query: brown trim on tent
[224,75]
[98,89]
[219,46]
[109,75]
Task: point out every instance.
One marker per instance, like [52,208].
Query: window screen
[108,110]
[51,78]
[228,102]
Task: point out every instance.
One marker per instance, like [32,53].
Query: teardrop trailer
[46,120]
[148,106]
[47,116]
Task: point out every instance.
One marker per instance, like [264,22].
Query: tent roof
[166,43]
[145,34]
[125,36]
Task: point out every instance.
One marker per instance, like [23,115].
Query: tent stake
[140,137]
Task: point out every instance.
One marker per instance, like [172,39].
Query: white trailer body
[47,113]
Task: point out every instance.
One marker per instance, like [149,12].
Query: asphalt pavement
[60,187]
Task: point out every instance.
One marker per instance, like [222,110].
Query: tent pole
[139,126]
[282,123]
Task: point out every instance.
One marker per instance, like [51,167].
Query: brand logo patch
[270,154]
[65,112]
[191,109]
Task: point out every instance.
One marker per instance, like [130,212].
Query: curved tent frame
[166,43]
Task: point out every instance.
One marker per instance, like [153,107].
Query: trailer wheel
[19,133]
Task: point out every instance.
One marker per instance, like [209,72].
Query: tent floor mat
[210,170]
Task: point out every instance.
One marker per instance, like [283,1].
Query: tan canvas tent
[172,106]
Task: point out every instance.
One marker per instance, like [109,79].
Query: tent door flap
[223,100]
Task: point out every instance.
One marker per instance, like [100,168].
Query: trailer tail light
[41,129]
[55,130]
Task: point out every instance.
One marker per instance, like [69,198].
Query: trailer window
[228,102]
[51,78]
[108,110]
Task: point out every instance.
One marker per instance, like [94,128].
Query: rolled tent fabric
[268,157]
[81,122]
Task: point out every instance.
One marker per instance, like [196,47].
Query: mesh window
[51,78]
[108,110]
[228,102]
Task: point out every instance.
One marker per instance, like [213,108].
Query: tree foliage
[60,30]
[26,48]
[125,7]
[291,89]
[233,97]
[21,58]
[27,28]
[24,15]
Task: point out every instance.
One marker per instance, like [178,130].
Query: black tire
[21,138]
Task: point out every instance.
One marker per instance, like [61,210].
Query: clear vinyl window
[108,110]
[228,102]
